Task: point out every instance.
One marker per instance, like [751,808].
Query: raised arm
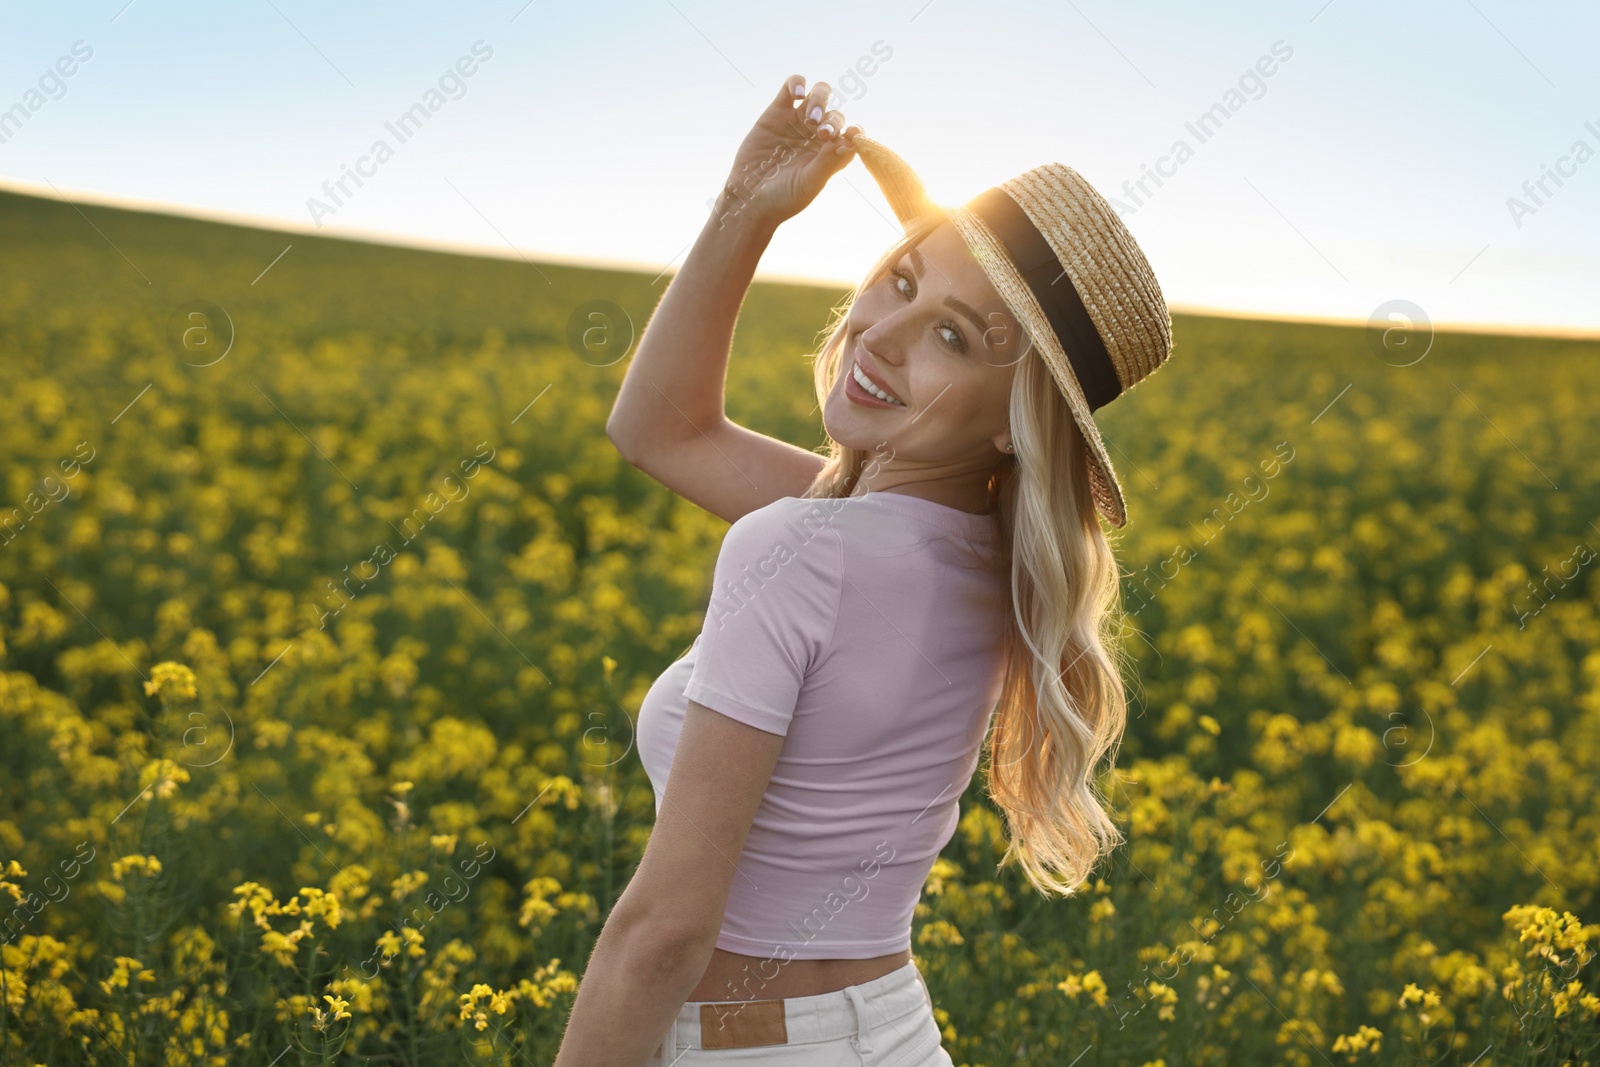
[668,419]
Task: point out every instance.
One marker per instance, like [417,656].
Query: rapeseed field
[325,604]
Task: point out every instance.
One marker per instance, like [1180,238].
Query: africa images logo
[403,128]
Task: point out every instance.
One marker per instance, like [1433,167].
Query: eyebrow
[921,266]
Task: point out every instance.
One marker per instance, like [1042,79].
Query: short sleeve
[774,603]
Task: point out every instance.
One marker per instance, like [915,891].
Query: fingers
[793,88]
[815,104]
[813,113]
[831,124]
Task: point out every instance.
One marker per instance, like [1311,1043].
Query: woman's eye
[899,276]
[956,340]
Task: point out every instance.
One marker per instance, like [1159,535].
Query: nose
[885,339]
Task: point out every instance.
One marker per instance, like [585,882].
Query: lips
[877,381]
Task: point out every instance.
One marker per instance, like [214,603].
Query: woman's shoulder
[789,526]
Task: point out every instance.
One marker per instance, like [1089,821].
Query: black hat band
[1062,305]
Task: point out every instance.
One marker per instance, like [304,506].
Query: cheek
[960,397]
[996,380]
[975,398]
[871,306]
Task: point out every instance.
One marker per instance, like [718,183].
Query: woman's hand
[788,156]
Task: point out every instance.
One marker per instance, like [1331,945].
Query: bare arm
[669,419]
[660,936]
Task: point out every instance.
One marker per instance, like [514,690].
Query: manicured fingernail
[816,115]
[797,89]
[826,129]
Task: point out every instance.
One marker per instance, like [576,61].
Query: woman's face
[936,336]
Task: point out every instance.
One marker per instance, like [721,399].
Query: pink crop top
[869,632]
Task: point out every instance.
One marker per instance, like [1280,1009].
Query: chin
[843,424]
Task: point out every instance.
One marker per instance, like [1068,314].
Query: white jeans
[887,1022]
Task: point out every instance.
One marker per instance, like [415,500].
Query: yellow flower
[469,1005]
[942,871]
[322,905]
[407,884]
[537,909]
[148,866]
[1090,983]
[389,944]
[1164,995]
[13,869]
[126,969]
[1415,995]
[1365,1039]
[284,946]
[361,993]
[498,1002]
[408,939]
[569,792]
[254,897]
[298,1004]
[170,677]
[938,933]
[160,778]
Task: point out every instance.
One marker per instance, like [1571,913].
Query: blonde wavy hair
[1062,707]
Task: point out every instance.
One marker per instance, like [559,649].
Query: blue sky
[1374,164]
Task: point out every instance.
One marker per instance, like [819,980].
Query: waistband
[854,1011]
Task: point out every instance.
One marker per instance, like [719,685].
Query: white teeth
[866,383]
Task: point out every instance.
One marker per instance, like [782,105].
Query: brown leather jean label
[743,1024]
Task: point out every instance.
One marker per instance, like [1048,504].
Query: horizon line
[272,223]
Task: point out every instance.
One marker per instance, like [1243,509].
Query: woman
[873,610]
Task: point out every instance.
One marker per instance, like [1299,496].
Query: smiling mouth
[872,388]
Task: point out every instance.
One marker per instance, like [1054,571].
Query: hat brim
[909,200]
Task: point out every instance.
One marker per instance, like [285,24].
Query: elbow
[669,953]
[671,937]
[619,438]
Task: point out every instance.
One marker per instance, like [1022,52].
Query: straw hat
[1071,273]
